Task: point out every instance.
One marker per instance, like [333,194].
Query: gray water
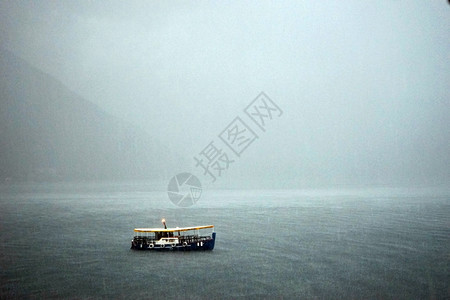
[73,240]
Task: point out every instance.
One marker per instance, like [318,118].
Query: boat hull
[196,245]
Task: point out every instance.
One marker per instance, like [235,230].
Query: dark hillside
[48,132]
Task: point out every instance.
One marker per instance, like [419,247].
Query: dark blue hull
[197,245]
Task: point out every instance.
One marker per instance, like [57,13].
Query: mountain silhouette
[48,132]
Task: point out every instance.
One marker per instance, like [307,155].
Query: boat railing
[186,238]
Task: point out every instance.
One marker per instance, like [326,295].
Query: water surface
[73,240]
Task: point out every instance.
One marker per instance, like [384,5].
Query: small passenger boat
[178,238]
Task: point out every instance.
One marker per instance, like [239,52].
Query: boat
[178,238]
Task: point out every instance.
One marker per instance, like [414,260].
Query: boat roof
[176,229]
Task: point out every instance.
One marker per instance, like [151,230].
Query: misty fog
[363,85]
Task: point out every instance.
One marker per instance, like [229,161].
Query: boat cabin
[187,237]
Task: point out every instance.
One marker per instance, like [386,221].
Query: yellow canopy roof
[172,229]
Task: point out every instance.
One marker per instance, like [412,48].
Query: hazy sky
[364,85]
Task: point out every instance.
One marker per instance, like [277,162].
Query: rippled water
[72,241]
